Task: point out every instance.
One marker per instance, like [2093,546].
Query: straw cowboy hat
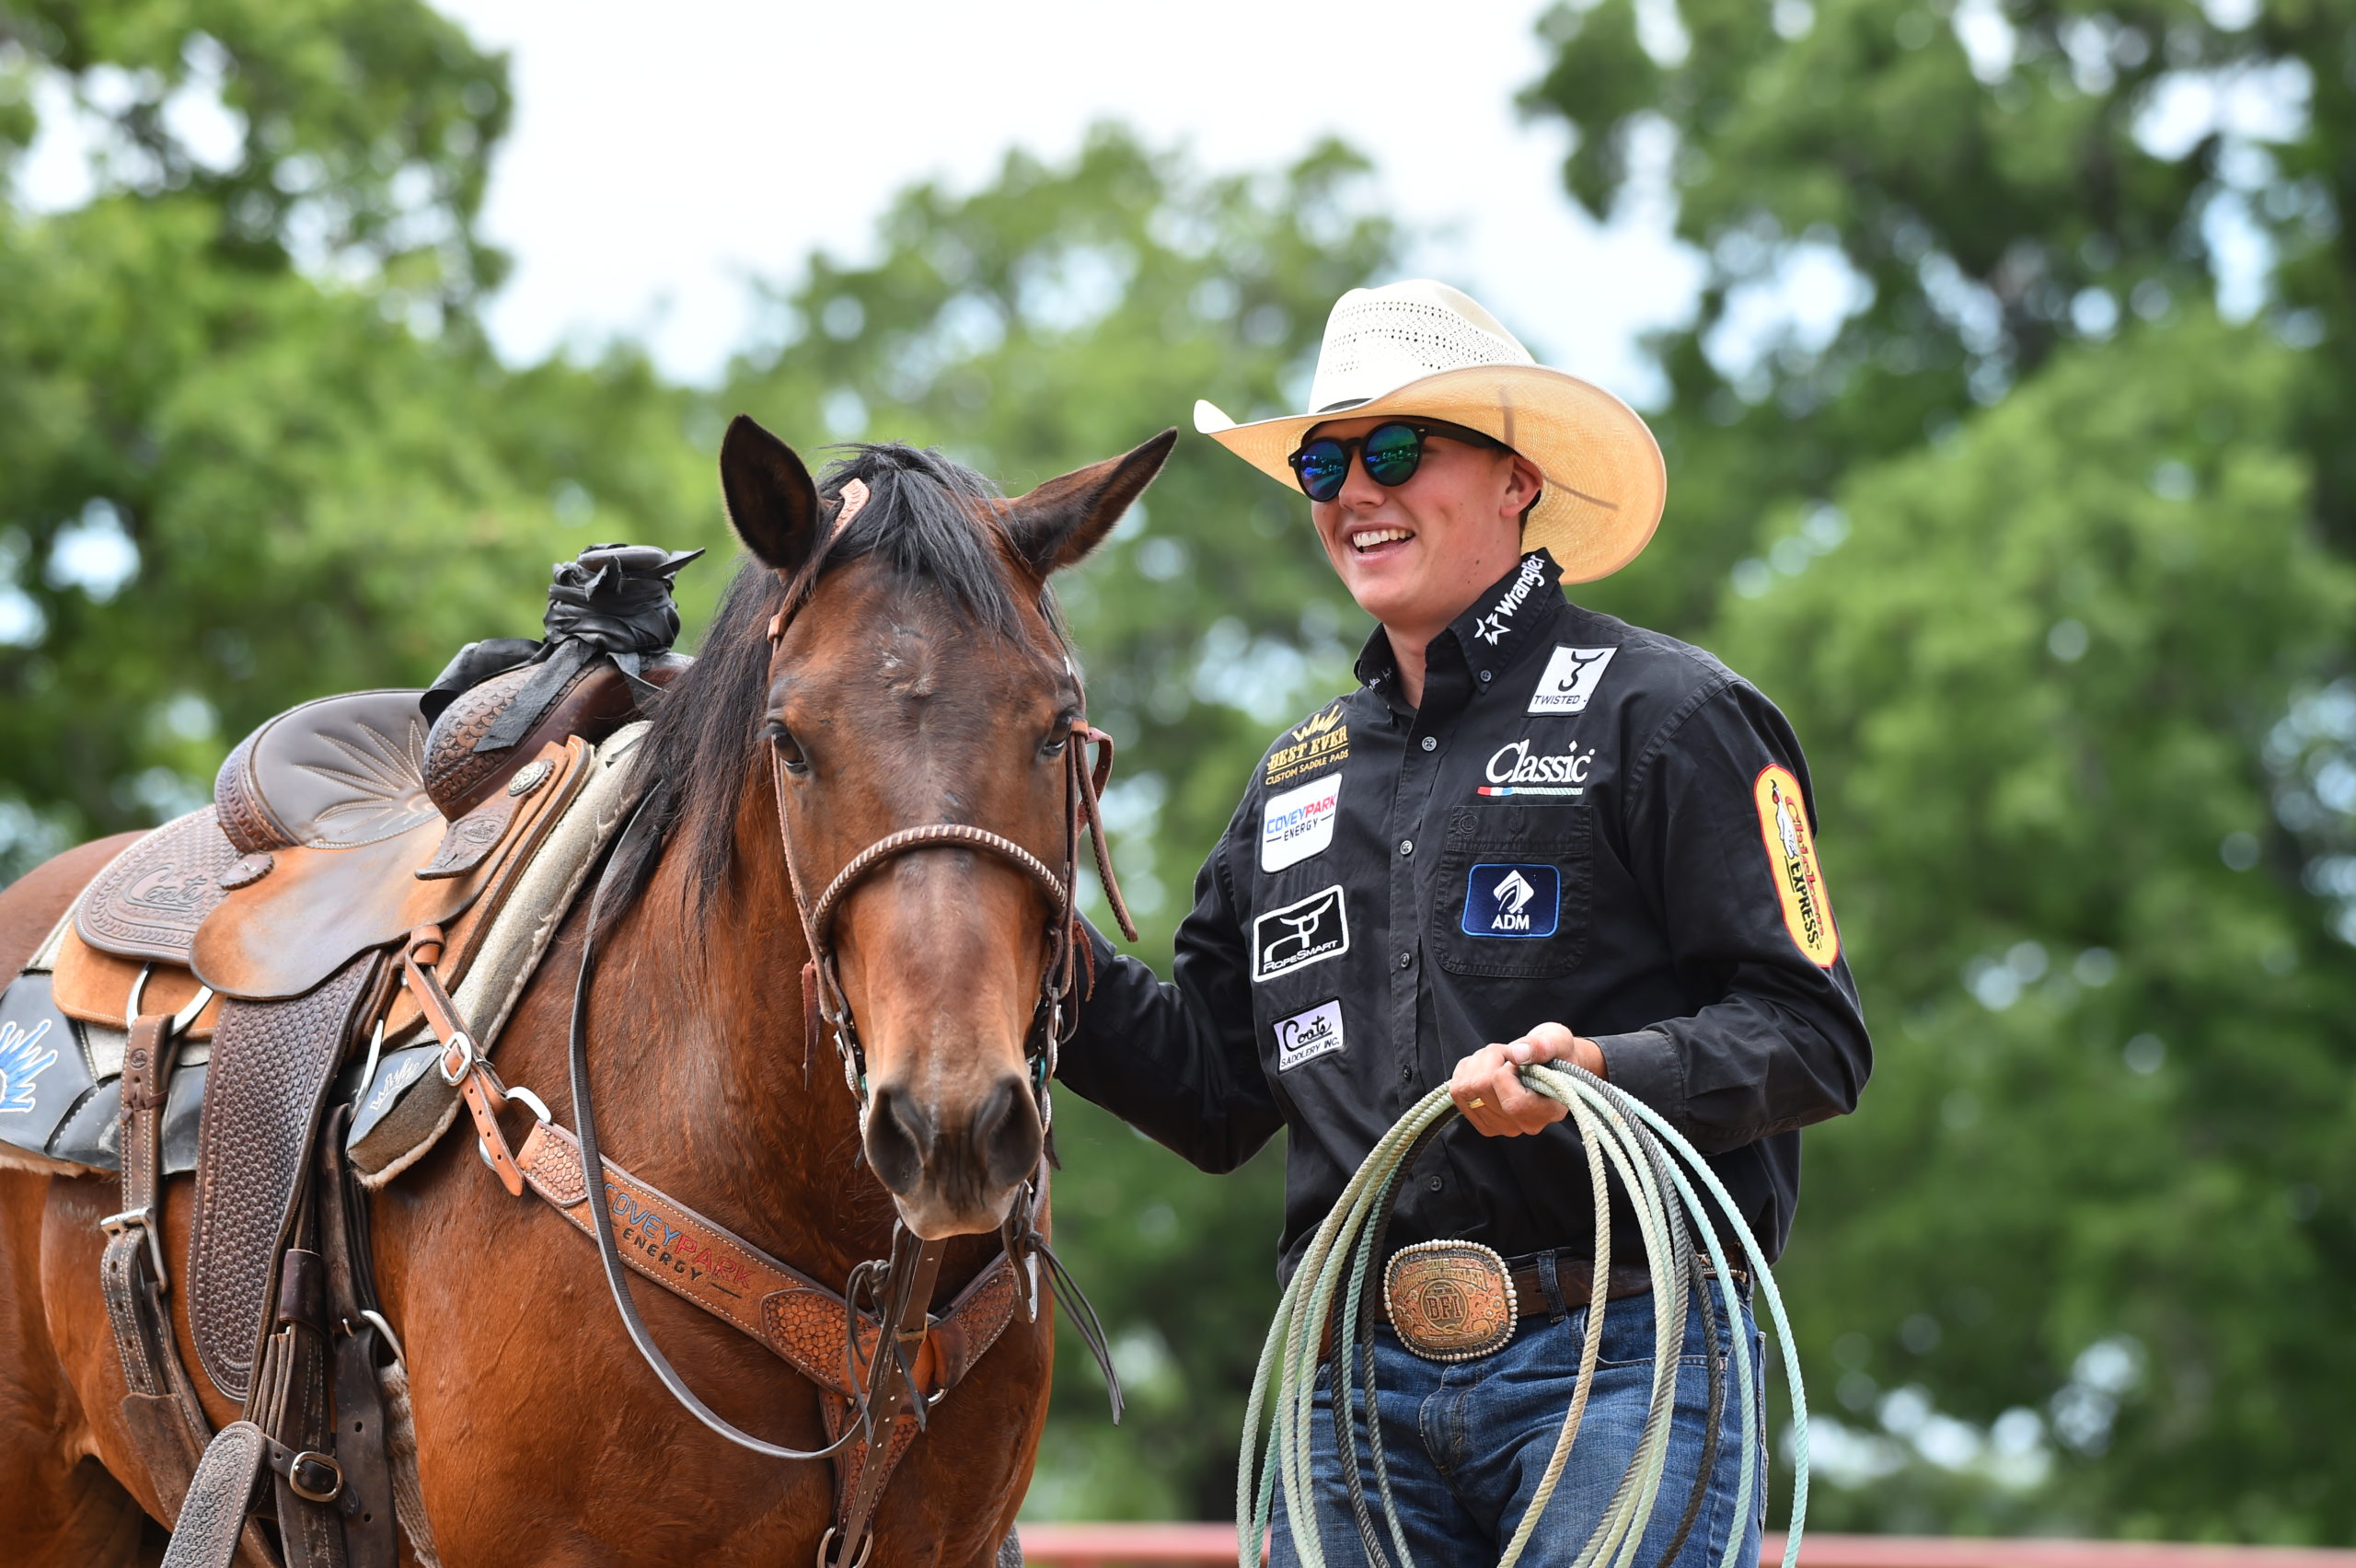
[1420,347]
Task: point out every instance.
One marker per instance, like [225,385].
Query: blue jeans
[1467,1442]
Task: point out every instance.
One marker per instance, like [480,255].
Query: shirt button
[1407,847]
[1405,959]
[1435,1183]
[1431,743]
[1485,677]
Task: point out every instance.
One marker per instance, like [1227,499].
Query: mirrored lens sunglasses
[1392,452]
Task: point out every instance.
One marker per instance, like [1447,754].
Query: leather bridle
[1058,978]
[899,1291]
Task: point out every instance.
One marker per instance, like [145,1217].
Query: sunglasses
[1392,452]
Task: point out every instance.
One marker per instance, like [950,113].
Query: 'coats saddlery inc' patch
[1513,900]
[1791,859]
[1307,1035]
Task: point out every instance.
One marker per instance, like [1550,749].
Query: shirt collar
[1490,634]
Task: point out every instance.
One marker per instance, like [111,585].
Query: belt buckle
[1451,1301]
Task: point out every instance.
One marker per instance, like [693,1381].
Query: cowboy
[1534,833]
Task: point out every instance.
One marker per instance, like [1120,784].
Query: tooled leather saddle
[259,933]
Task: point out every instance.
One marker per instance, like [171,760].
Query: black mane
[920,523]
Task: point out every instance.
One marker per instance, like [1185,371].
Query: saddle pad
[61,1090]
[271,1065]
[406,1108]
[151,898]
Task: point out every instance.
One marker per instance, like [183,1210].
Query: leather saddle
[337,827]
[258,935]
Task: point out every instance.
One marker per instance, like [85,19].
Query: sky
[663,156]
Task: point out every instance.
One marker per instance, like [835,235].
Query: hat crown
[1380,339]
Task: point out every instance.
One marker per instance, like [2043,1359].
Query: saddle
[212,980]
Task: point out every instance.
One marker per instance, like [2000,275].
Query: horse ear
[772,504]
[1057,524]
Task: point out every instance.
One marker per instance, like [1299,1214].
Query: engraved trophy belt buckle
[1451,1301]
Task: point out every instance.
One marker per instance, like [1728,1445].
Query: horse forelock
[930,524]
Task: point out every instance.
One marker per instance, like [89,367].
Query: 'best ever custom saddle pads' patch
[1514,899]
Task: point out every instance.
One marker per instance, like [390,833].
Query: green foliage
[1988,209]
[287,489]
[2035,681]
[2059,601]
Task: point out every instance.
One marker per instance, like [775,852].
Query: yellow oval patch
[1791,859]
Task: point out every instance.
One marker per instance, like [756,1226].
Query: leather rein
[885,1392]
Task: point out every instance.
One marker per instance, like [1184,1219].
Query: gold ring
[1474,1103]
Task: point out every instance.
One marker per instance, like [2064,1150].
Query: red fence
[1202,1546]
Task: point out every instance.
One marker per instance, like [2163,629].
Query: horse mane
[933,525]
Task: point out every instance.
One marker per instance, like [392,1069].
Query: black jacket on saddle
[1583,823]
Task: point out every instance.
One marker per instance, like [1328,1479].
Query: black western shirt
[1583,823]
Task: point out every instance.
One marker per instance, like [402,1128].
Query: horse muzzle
[952,1163]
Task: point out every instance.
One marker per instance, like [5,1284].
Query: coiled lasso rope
[1657,1170]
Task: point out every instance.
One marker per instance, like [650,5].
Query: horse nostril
[1006,1132]
[898,1133]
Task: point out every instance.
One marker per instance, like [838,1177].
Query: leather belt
[1573,1278]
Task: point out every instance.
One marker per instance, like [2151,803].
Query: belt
[1573,1278]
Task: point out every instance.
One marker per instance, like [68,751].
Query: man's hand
[1486,1085]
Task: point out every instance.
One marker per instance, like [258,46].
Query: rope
[1658,1170]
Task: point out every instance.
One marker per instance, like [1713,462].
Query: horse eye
[788,750]
[1058,739]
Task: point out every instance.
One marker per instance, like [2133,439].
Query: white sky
[661,156]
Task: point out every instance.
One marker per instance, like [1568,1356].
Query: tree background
[2043,542]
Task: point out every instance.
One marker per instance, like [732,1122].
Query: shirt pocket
[1513,889]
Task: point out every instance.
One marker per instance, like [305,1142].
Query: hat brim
[1605,482]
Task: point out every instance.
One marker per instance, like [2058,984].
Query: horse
[863,674]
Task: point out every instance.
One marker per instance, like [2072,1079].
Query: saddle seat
[337,826]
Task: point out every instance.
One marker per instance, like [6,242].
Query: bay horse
[919,675]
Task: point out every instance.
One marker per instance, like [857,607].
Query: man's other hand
[1486,1085]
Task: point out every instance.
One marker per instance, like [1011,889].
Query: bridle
[897,1291]
[824,996]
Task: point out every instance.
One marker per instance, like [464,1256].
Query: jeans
[1467,1443]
